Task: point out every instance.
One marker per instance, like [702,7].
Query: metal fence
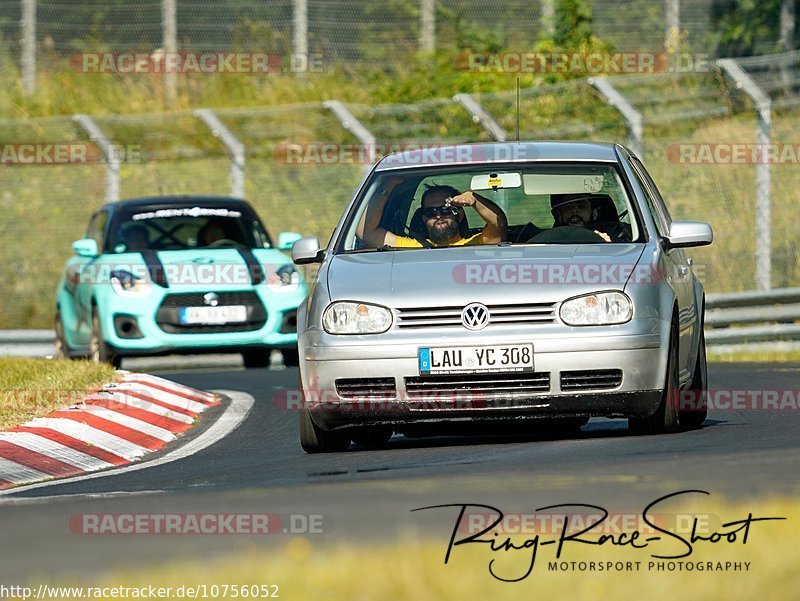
[361,31]
[680,122]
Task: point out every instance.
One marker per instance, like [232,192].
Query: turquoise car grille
[168,316]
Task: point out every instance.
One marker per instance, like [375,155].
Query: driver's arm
[369,228]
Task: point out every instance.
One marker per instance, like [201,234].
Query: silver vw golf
[496,287]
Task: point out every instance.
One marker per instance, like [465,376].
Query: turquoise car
[190,274]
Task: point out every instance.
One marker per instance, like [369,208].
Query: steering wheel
[566,234]
[223,243]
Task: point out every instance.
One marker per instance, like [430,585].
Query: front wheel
[694,412]
[62,348]
[314,439]
[665,418]
[256,358]
[99,351]
[291,357]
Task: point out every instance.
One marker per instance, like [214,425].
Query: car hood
[457,276]
[210,268]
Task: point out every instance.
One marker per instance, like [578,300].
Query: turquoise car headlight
[601,308]
[284,278]
[125,283]
[345,317]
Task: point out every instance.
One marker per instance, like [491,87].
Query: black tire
[62,348]
[694,405]
[372,437]
[316,440]
[291,357]
[99,351]
[256,358]
[666,417]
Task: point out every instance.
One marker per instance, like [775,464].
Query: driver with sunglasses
[443,215]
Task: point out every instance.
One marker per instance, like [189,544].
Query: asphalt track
[366,495]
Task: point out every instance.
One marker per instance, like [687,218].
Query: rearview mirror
[86,247]
[307,250]
[685,234]
[287,239]
[494,181]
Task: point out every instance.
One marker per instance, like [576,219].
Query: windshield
[181,228]
[472,205]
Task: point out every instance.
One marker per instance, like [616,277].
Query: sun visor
[550,183]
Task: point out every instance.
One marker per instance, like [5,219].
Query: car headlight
[125,283]
[284,278]
[356,318]
[601,308]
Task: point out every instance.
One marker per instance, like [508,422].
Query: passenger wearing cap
[442,213]
[575,210]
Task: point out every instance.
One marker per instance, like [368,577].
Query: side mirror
[86,247]
[287,239]
[307,250]
[684,234]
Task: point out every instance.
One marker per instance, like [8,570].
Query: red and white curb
[109,428]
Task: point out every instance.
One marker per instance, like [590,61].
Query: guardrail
[731,318]
[754,316]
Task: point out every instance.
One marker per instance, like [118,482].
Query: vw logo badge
[475,316]
[211,299]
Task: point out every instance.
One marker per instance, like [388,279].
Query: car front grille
[450,317]
[480,385]
[591,379]
[365,388]
[168,314]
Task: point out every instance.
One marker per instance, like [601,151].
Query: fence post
[672,16]
[110,154]
[763,105]
[300,37]
[548,18]
[787,40]
[352,124]
[632,117]
[232,143]
[28,58]
[169,24]
[479,115]
[427,26]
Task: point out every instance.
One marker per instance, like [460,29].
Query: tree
[746,27]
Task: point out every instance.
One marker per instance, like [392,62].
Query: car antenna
[517,108]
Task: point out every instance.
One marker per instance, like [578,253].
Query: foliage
[745,27]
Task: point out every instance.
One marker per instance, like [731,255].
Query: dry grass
[34,387]
[413,568]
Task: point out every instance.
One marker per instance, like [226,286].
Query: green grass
[34,387]
[412,568]
[757,356]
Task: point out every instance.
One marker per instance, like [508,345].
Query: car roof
[177,201]
[499,152]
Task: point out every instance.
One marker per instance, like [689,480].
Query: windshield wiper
[383,248]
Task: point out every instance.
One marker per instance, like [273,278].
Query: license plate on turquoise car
[475,359]
[213,315]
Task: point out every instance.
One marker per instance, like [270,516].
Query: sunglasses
[443,211]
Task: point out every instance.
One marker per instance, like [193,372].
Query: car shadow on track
[596,429]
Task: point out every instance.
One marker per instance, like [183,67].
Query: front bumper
[633,352]
[277,329]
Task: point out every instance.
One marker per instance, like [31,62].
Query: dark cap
[559,200]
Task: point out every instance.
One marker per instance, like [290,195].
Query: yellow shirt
[405,242]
